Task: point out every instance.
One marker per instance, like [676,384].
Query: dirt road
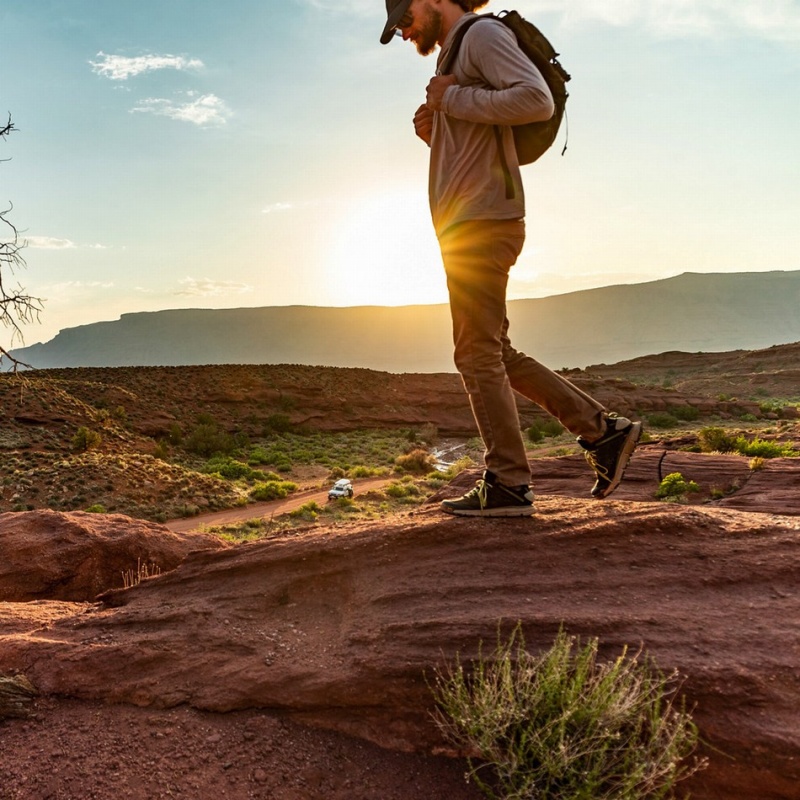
[268,509]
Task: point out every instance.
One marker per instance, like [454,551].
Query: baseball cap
[394,10]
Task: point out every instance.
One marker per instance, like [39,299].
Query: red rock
[340,627]
[75,556]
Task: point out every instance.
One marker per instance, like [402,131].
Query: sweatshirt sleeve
[501,86]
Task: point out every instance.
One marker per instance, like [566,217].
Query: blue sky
[195,154]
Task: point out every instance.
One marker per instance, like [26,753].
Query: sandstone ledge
[340,627]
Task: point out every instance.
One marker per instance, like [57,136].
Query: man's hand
[436,88]
[423,123]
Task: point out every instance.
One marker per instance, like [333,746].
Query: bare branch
[7,128]
[16,307]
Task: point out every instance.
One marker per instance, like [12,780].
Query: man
[479,223]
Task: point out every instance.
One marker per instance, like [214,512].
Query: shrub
[207,440]
[541,429]
[85,439]
[272,490]
[562,725]
[662,421]
[457,467]
[308,511]
[401,490]
[674,487]
[96,508]
[175,434]
[716,440]
[277,423]
[764,448]
[685,413]
[231,469]
[419,461]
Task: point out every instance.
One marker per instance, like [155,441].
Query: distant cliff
[691,312]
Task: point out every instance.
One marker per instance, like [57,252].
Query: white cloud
[53,243]
[207,109]
[205,287]
[49,243]
[120,68]
[770,19]
[287,205]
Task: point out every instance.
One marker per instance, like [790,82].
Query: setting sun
[384,252]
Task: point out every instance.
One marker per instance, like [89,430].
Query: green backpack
[534,138]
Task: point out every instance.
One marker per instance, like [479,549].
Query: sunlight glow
[384,252]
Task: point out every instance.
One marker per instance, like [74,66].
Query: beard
[429,32]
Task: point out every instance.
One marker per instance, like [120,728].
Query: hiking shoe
[492,499]
[609,455]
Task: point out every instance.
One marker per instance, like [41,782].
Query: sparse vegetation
[133,577]
[717,440]
[417,461]
[272,490]
[662,421]
[542,429]
[564,725]
[85,439]
[184,441]
[675,488]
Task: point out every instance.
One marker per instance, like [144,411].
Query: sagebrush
[563,726]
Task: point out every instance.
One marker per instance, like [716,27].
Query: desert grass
[564,726]
[133,577]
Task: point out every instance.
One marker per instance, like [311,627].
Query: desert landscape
[166,630]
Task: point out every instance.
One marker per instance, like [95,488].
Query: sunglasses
[406,21]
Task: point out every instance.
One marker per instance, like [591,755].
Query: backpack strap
[445,68]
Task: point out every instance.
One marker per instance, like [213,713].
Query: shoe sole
[522,511]
[631,440]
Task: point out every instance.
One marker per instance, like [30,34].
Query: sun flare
[384,252]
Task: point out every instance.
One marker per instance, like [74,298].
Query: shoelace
[592,461]
[479,490]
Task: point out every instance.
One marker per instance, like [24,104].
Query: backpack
[534,138]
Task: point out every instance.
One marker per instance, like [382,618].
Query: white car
[342,488]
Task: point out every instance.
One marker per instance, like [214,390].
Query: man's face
[422,24]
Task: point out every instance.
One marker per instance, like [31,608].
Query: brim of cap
[394,18]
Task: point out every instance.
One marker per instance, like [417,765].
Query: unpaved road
[269,508]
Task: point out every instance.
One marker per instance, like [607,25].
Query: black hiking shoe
[609,455]
[492,499]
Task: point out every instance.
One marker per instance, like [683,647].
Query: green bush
[716,440]
[231,469]
[685,413]
[562,726]
[402,489]
[85,439]
[308,511]
[662,421]
[675,487]
[208,440]
[272,490]
[541,429]
[764,448]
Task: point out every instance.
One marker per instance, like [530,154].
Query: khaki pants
[477,257]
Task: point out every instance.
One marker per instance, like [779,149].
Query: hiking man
[479,222]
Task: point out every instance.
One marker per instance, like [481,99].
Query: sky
[196,154]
